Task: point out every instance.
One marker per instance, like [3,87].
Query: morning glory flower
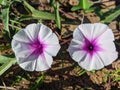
[34,47]
[92,46]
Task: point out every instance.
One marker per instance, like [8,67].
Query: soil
[65,74]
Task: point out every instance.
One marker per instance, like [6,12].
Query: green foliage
[38,14]
[52,2]
[6,63]
[2,48]
[116,74]
[39,81]
[5,13]
[57,15]
[83,4]
[111,15]
[82,72]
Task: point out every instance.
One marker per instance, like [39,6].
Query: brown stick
[3,87]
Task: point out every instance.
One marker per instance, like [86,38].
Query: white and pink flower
[34,47]
[92,46]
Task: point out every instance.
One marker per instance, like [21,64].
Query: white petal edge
[108,46]
[32,30]
[90,30]
[86,30]
[108,57]
[44,33]
[77,55]
[43,62]
[78,35]
[91,64]
[106,36]
[21,49]
[52,45]
[28,66]
[99,29]
[21,36]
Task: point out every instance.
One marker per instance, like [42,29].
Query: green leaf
[5,15]
[83,4]
[1,1]
[3,48]
[117,79]
[38,14]
[25,17]
[4,59]
[51,2]
[6,63]
[39,81]
[82,72]
[57,15]
[111,15]
[89,10]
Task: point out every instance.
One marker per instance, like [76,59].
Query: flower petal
[32,31]
[99,29]
[43,62]
[93,63]
[108,57]
[75,44]
[106,36]
[52,45]
[21,36]
[44,33]
[86,30]
[91,31]
[75,50]
[28,66]
[78,35]
[21,49]
[77,55]
[108,46]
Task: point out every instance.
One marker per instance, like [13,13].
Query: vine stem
[10,88]
[83,15]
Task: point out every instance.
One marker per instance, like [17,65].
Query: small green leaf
[111,15]
[6,63]
[2,48]
[25,17]
[5,15]
[1,1]
[38,14]
[57,15]
[51,2]
[39,81]
[117,79]
[82,72]
[83,4]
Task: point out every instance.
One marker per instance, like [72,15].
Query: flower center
[38,47]
[90,47]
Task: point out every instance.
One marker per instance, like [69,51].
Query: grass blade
[7,63]
[5,15]
[111,15]
[57,15]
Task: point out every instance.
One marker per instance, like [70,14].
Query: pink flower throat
[91,46]
[37,47]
